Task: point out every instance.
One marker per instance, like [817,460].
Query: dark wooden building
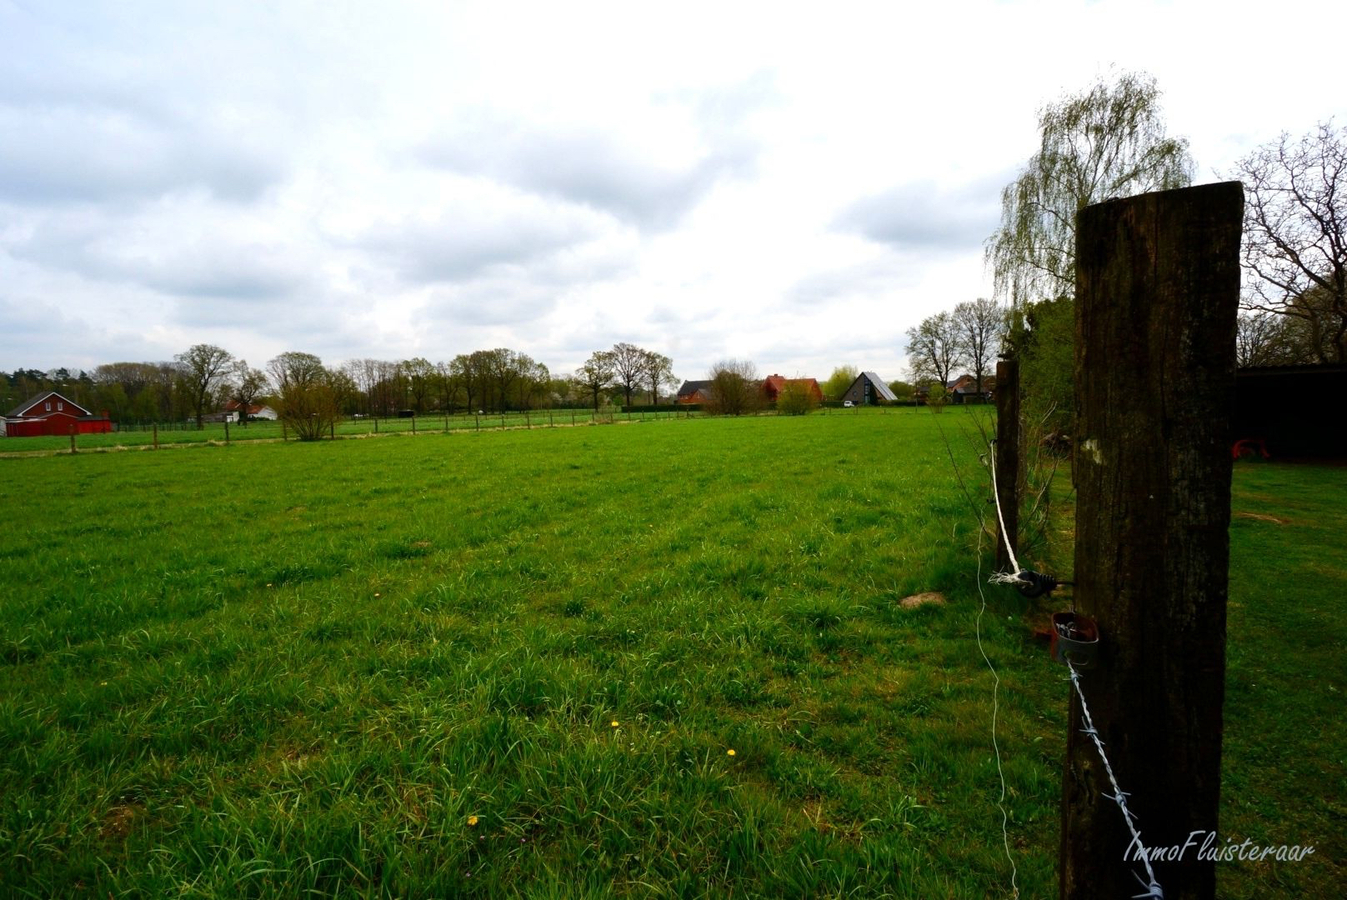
[868,390]
[1292,411]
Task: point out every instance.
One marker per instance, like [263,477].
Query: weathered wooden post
[226,424]
[72,440]
[1157,290]
[413,423]
[1007,461]
[156,435]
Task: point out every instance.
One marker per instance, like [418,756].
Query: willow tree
[1104,143]
[1107,142]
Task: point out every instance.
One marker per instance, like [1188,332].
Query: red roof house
[53,415]
[772,385]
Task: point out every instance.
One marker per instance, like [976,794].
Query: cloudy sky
[724,180]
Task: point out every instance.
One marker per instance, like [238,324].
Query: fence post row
[1157,292]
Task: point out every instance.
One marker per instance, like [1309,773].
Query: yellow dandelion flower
[615,723]
[729,752]
[472,821]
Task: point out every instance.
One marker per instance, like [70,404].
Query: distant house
[868,390]
[54,415]
[695,392]
[965,389]
[255,411]
[772,386]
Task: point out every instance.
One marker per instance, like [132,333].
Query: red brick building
[53,415]
[772,385]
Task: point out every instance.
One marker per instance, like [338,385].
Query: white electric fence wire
[996,708]
[1153,889]
[1003,577]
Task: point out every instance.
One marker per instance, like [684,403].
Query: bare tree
[735,388]
[420,376]
[534,380]
[982,325]
[935,348]
[450,383]
[1295,235]
[1267,339]
[658,371]
[203,371]
[596,374]
[629,363]
[295,369]
[247,387]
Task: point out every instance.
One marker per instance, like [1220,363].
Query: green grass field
[142,437]
[516,664]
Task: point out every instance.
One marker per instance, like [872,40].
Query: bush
[310,410]
[795,399]
[734,388]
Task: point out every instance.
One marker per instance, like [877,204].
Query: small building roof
[691,387]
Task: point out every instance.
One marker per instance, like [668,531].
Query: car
[847,404]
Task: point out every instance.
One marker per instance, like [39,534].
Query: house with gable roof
[53,414]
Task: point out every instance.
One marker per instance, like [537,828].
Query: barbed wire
[1153,889]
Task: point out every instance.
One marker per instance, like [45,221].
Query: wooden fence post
[1157,292]
[156,435]
[1007,459]
[226,424]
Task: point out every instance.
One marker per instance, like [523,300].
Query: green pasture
[140,437]
[516,663]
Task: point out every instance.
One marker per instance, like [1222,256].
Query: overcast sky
[710,181]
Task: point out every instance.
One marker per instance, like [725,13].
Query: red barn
[53,415]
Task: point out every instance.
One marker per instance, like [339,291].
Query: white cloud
[797,187]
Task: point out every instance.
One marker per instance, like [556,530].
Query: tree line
[205,378]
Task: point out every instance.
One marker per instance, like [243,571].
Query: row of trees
[968,338]
[128,391]
[205,377]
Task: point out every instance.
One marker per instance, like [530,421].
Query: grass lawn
[516,663]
